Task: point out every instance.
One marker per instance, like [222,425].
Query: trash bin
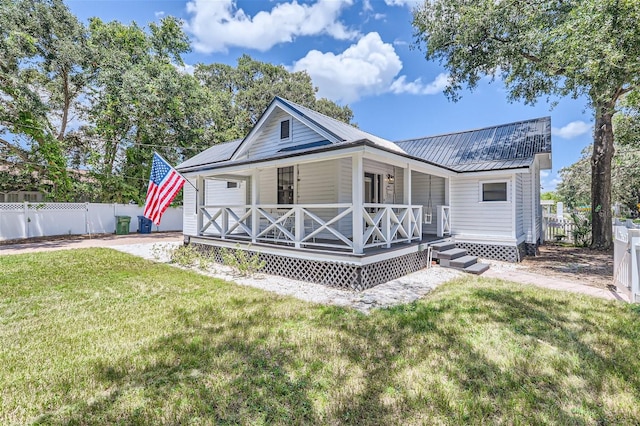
[122,225]
[144,225]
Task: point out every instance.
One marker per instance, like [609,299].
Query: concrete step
[443,246]
[451,254]
[463,262]
[476,268]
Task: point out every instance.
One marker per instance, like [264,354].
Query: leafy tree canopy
[103,97]
[543,48]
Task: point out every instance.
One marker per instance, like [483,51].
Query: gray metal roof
[506,146]
[215,154]
[344,131]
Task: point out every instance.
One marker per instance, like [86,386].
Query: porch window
[494,191]
[285,129]
[285,185]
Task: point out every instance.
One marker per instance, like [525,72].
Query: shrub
[243,261]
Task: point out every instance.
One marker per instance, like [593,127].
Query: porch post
[406,199]
[357,190]
[255,200]
[199,202]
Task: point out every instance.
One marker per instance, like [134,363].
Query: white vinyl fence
[554,229]
[626,260]
[25,220]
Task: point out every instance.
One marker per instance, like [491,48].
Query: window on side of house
[285,185]
[285,129]
[232,185]
[1,198]
[12,198]
[494,191]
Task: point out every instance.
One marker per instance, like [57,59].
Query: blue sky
[358,52]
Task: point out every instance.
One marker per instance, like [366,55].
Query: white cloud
[379,16]
[417,87]
[402,2]
[185,69]
[544,173]
[218,25]
[369,67]
[159,14]
[571,130]
[365,68]
[366,5]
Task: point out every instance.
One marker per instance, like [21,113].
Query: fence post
[26,220]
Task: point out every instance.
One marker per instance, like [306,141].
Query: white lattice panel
[491,251]
[334,274]
[11,206]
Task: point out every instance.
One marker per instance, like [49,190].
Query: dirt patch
[582,265]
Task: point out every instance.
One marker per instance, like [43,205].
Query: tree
[43,75]
[141,103]
[251,86]
[544,47]
[574,189]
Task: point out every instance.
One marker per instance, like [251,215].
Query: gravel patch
[400,291]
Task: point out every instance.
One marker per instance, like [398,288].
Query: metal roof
[505,146]
[215,154]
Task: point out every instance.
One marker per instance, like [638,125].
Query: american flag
[164,184]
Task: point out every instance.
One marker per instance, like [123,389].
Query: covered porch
[354,203]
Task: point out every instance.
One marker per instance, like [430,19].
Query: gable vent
[285,129]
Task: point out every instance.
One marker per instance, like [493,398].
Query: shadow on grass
[471,353]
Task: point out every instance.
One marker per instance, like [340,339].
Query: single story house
[326,202]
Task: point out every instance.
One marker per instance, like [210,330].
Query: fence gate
[558,230]
[626,261]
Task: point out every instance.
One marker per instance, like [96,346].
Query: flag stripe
[164,185]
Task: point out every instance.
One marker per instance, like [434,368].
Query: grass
[99,337]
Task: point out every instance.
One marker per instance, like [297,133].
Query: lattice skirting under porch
[495,251]
[335,274]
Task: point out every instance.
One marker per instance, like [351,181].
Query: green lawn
[98,336]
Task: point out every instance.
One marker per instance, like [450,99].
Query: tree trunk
[603,150]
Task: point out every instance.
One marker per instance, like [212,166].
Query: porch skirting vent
[496,251]
[344,276]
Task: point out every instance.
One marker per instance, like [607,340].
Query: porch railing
[444,221]
[313,225]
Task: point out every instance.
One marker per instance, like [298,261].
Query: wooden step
[443,246]
[463,262]
[476,268]
[451,254]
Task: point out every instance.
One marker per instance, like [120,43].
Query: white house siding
[474,219]
[519,219]
[190,218]
[217,193]
[318,184]
[420,196]
[344,186]
[267,141]
[268,186]
[536,197]
[527,207]
[398,187]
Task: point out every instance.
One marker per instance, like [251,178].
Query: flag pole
[185,179]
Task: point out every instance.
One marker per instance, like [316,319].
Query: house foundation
[336,274]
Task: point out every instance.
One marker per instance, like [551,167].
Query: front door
[372,188]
